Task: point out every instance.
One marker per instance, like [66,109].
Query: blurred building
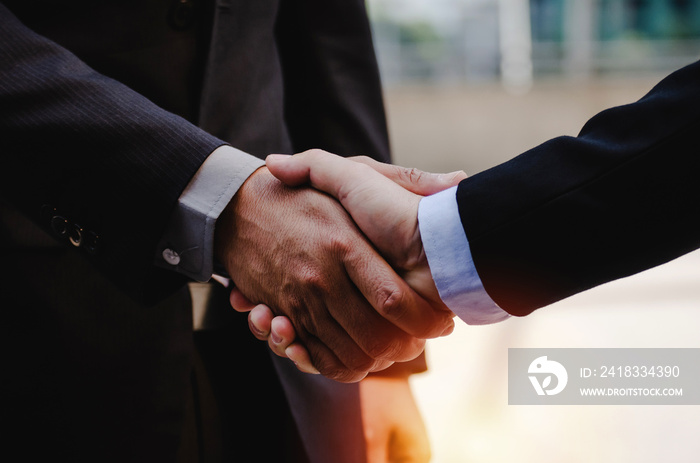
[448,41]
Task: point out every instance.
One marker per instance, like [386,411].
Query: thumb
[348,182]
[239,302]
[384,211]
[288,169]
[414,180]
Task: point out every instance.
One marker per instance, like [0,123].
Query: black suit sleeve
[78,144]
[333,96]
[576,212]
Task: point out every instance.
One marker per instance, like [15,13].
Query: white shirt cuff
[450,260]
[188,243]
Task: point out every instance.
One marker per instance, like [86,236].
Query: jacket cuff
[187,246]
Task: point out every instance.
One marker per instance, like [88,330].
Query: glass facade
[464,42]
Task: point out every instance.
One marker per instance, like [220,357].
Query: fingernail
[276,338]
[254,328]
[306,369]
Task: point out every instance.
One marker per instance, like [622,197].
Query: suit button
[182,14]
[75,235]
[90,241]
[171,257]
[59,225]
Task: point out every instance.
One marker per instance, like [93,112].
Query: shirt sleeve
[187,246]
[451,265]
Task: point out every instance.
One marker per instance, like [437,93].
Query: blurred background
[472,83]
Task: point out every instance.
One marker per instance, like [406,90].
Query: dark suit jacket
[575,212]
[107,109]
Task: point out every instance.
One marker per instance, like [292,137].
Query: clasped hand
[321,293]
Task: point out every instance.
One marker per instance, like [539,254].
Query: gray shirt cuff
[187,245]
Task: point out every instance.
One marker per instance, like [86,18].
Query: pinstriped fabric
[105,155]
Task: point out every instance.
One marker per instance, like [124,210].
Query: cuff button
[75,235]
[171,257]
[59,225]
[90,242]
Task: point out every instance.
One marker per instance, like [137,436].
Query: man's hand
[383,200]
[298,251]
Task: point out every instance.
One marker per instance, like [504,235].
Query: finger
[332,174]
[394,300]
[380,339]
[384,211]
[304,168]
[298,354]
[356,186]
[333,350]
[259,321]
[355,335]
[239,302]
[281,335]
[414,180]
[358,337]
[383,365]
[328,364]
[291,173]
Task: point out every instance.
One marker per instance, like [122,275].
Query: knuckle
[324,363]
[391,303]
[360,364]
[411,175]
[399,349]
[342,375]
[413,349]
[307,289]
[340,245]
[349,376]
[385,350]
[381,365]
[416,175]
[292,303]
[314,281]
[330,367]
[299,313]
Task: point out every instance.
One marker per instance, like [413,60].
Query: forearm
[96,152]
[577,212]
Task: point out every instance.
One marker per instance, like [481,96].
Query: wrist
[243,201]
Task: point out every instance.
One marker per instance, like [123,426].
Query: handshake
[325,253]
